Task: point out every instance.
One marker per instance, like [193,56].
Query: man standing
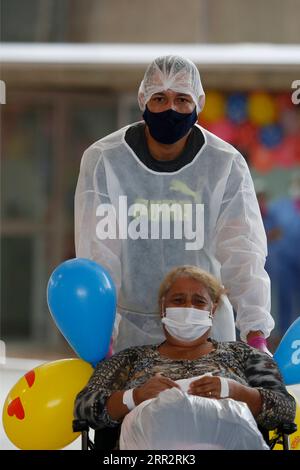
[165,192]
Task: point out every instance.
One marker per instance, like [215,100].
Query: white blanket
[177,420]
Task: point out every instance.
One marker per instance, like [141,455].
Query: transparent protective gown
[122,222]
[176,420]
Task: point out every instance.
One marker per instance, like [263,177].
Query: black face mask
[169,126]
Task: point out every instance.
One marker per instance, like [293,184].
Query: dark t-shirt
[136,139]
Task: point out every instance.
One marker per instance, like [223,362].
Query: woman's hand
[152,388]
[210,387]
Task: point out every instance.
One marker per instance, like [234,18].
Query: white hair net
[174,73]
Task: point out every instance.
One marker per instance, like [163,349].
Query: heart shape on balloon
[15,408]
[30,378]
[82,300]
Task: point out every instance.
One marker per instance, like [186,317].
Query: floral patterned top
[132,367]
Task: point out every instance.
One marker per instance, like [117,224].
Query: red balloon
[288,152]
[224,129]
[246,136]
[283,101]
[262,159]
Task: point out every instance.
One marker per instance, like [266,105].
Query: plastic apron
[223,234]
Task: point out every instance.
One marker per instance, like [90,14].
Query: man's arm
[91,192]
[241,248]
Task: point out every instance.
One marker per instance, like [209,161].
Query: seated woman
[188,298]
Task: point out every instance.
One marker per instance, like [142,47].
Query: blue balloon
[82,300]
[237,107]
[287,354]
[271,135]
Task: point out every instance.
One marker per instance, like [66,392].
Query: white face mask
[187,323]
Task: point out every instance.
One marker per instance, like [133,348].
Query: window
[43,138]
[34,20]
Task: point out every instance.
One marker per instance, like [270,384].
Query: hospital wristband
[224,393]
[128,399]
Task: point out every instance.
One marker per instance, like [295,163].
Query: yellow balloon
[214,108]
[262,109]
[38,411]
[295,437]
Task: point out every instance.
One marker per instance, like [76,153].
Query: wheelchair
[106,438]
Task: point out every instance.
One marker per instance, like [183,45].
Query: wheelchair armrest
[288,428]
[105,438]
[80,425]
